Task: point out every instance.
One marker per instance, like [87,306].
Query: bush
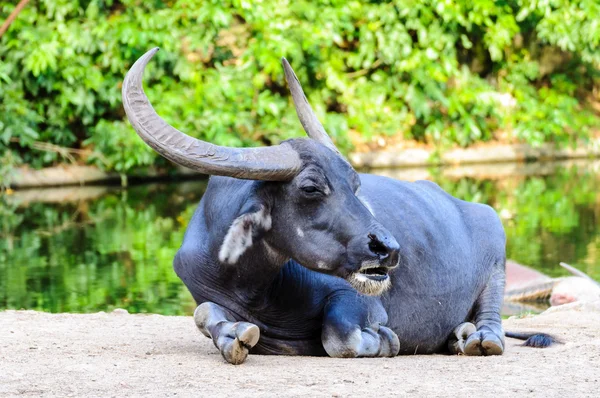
[442,72]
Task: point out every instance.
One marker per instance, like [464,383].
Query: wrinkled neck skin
[255,272]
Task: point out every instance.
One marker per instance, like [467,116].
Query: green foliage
[444,72]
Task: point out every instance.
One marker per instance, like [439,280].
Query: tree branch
[363,72]
[12,16]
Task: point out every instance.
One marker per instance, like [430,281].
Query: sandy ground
[119,354]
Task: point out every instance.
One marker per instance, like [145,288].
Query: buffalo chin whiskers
[368,286]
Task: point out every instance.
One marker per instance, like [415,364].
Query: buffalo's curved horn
[309,120]
[275,163]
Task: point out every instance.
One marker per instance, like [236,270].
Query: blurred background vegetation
[453,72]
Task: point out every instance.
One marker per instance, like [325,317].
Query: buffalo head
[305,204]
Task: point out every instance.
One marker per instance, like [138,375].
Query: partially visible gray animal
[543,291]
[286,235]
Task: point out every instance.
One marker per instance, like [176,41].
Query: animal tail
[537,340]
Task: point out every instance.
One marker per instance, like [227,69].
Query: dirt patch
[131,355]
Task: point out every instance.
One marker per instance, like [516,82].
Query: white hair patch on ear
[239,236]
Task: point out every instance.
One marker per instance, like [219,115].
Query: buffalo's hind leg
[233,339]
[352,327]
[486,336]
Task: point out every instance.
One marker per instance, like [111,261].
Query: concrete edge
[24,177]
[419,157]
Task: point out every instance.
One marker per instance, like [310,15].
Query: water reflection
[87,255]
[97,248]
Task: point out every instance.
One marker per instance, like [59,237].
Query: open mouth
[371,281]
[377,274]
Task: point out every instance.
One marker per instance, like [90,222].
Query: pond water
[99,248]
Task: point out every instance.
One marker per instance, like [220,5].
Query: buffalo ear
[245,229]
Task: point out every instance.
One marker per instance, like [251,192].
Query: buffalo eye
[310,189]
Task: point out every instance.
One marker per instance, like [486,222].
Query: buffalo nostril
[377,247]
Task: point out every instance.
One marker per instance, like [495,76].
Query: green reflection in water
[85,256]
[116,250]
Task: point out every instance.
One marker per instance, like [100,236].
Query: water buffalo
[286,235]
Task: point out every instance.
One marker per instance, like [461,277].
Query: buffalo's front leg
[353,327]
[233,339]
[486,335]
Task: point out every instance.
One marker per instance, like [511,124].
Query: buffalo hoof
[467,340]
[233,339]
[484,342]
[236,342]
[456,342]
[390,343]
[378,341]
